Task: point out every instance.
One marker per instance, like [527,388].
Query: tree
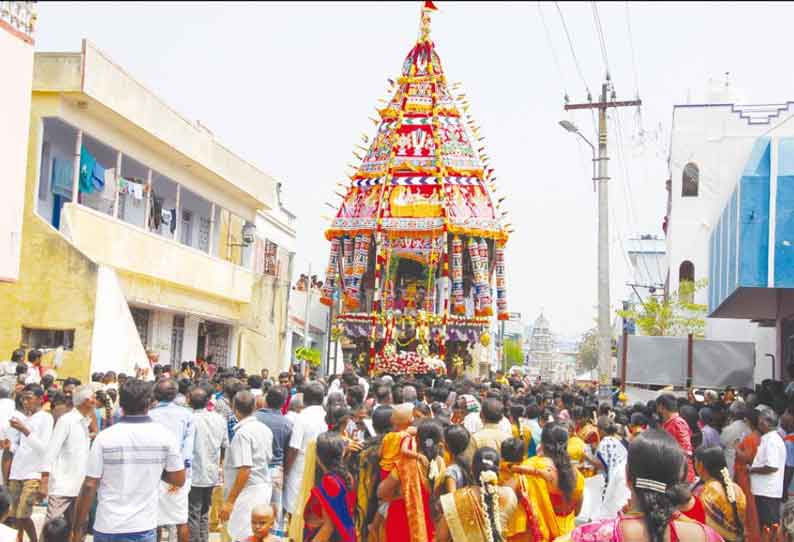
[675,315]
[514,355]
[587,358]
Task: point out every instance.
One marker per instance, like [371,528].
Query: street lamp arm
[592,147]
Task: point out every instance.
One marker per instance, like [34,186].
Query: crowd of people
[386,459]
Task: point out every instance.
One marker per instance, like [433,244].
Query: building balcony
[20,17]
[134,250]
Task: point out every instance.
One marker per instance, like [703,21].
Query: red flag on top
[430,5]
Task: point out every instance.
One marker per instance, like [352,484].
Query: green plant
[514,355]
[587,357]
[675,315]
[311,356]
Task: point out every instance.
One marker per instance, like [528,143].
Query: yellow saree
[556,516]
[465,518]
[310,467]
[719,512]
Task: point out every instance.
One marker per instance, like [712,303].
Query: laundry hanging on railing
[131,187]
[62,177]
[155,212]
[92,174]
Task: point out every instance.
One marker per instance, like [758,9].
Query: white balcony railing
[20,15]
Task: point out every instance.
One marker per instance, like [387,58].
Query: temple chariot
[416,271]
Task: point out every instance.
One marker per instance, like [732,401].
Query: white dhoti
[292,484]
[239,525]
[172,505]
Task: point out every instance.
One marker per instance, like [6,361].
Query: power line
[573,52]
[600,33]
[551,48]
[633,51]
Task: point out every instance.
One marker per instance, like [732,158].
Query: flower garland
[408,363]
[410,321]
[474,256]
[457,276]
[347,264]
[501,283]
[730,491]
[485,289]
[331,274]
[488,480]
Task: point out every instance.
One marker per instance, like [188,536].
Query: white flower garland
[488,481]
[730,491]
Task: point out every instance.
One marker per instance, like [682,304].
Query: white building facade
[17,22]
[710,145]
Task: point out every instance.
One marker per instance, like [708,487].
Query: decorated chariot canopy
[418,239]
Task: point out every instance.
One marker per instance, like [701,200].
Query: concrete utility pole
[307,309]
[604,327]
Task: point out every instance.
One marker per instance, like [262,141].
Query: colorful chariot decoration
[417,257]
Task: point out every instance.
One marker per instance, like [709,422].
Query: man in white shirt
[25,477]
[33,374]
[211,442]
[7,406]
[66,459]
[767,470]
[472,421]
[173,505]
[307,426]
[246,475]
[125,465]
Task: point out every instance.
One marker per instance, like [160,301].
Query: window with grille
[177,339]
[187,228]
[218,343]
[141,319]
[690,180]
[48,338]
[204,234]
[271,259]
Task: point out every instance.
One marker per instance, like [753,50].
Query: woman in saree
[656,473]
[723,500]
[408,488]
[745,454]
[478,512]
[585,429]
[521,429]
[369,477]
[522,526]
[328,514]
[555,487]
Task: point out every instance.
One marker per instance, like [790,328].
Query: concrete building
[17,26]
[647,255]
[268,338]
[140,232]
[711,144]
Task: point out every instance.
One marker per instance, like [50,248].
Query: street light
[568,125]
[571,127]
[604,327]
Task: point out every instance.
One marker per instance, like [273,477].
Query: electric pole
[604,327]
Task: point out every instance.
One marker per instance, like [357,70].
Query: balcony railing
[20,15]
[120,245]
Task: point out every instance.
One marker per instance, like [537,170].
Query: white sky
[289,86]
